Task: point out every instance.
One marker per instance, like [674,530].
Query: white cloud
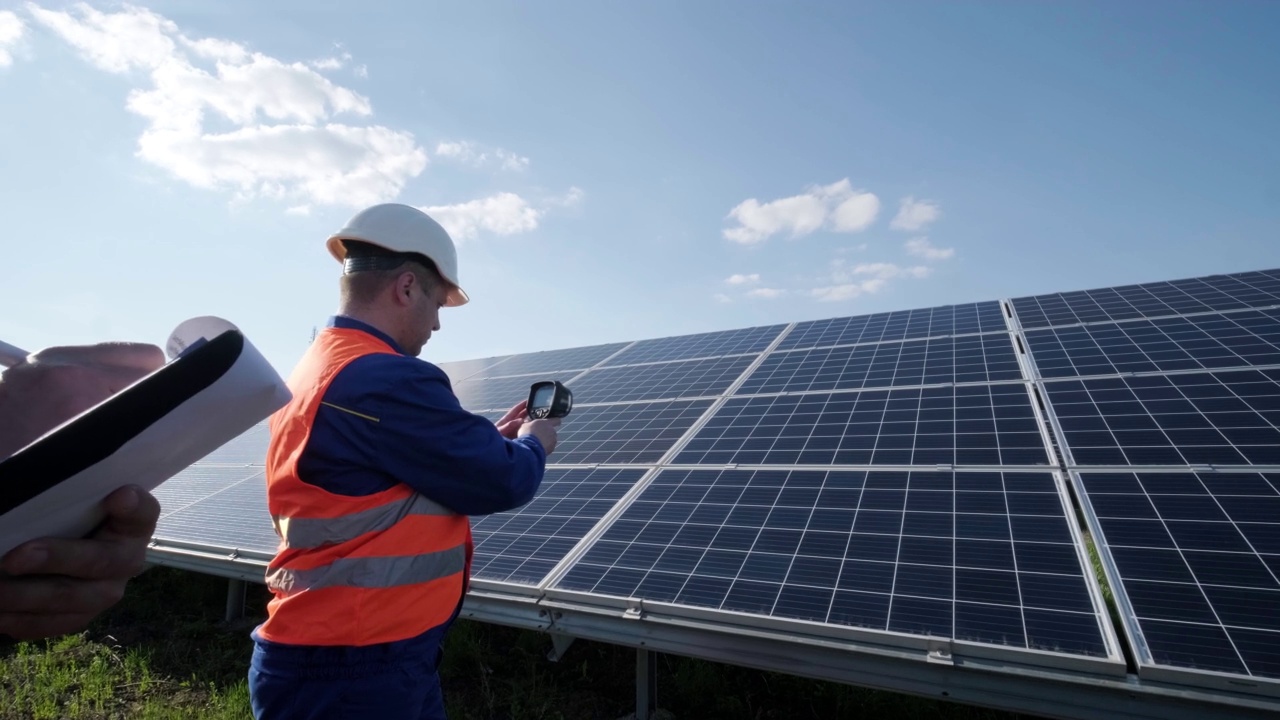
[722,298]
[303,210]
[914,214]
[571,198]
[502,214]
[475,155]
[285,140]
[863,279]
[11,31]
[766,293]
[739,279]
[332,63]
[837,206]
[921,247]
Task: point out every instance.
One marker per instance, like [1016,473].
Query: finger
[136,356]
[117,550]
[23,626]
[57,595]
[131,514]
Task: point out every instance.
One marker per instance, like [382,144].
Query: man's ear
[403,287]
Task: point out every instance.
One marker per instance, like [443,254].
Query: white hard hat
[403,229]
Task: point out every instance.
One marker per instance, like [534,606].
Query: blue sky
[617,171]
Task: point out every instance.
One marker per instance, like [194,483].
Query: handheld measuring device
[549,399]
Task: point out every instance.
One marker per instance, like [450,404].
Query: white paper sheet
[246,394]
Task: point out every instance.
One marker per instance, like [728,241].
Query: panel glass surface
[685,347]
[1198,556]
[983,556]
[554,361]
[522,545]
[899,325]
[462,369]
[234,516]
[1220,418]
[972,358]
[1178,297]
[624,434]
[686,378]
[1237,339]
[247,448]
[499,393]
[952,425]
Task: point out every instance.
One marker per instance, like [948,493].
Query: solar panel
[1198,556]
[890,478]
[1179,297]
[462,369]
[975,358]
[684,378]
[685,347]
[1218,418]
[500,393]
[553,361]
[1221,340]
[625,433]
[983,557]
[248,448]
[949,425]
[523,545]
[899,325]
[234,516]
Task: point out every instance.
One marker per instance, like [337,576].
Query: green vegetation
[165,652]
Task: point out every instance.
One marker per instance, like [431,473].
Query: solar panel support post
[646,683]
[236,589]
[559,646]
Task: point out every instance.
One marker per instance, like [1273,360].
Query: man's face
[426,313]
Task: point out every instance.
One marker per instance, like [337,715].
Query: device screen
[542,396]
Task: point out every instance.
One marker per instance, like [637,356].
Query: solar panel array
[1165,399]
[904,478]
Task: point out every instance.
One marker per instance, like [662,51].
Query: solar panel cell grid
[1179,297]
[553,361]
[689,378]
[232,516]
[685,347]
[624,434]
[1198,556]
[952,425]
[962,555]
[496,393]
[1221,418]
[900,325]
[1238,339]
[975,358]
[524,544]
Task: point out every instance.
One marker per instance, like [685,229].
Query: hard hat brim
[457,296]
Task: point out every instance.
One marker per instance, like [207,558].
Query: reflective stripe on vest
[351,570]
[309,533]
[380,572]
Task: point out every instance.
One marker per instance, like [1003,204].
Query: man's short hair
[369,270]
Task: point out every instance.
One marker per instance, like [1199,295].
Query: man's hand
[509,424]
[56,384]
[544,430]
[55,586]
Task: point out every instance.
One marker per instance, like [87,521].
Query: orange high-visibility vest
[352,570]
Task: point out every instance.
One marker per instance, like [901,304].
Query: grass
[165,652]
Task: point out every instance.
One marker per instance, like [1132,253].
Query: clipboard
[217,387]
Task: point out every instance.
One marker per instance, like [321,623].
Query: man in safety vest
[372,471]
